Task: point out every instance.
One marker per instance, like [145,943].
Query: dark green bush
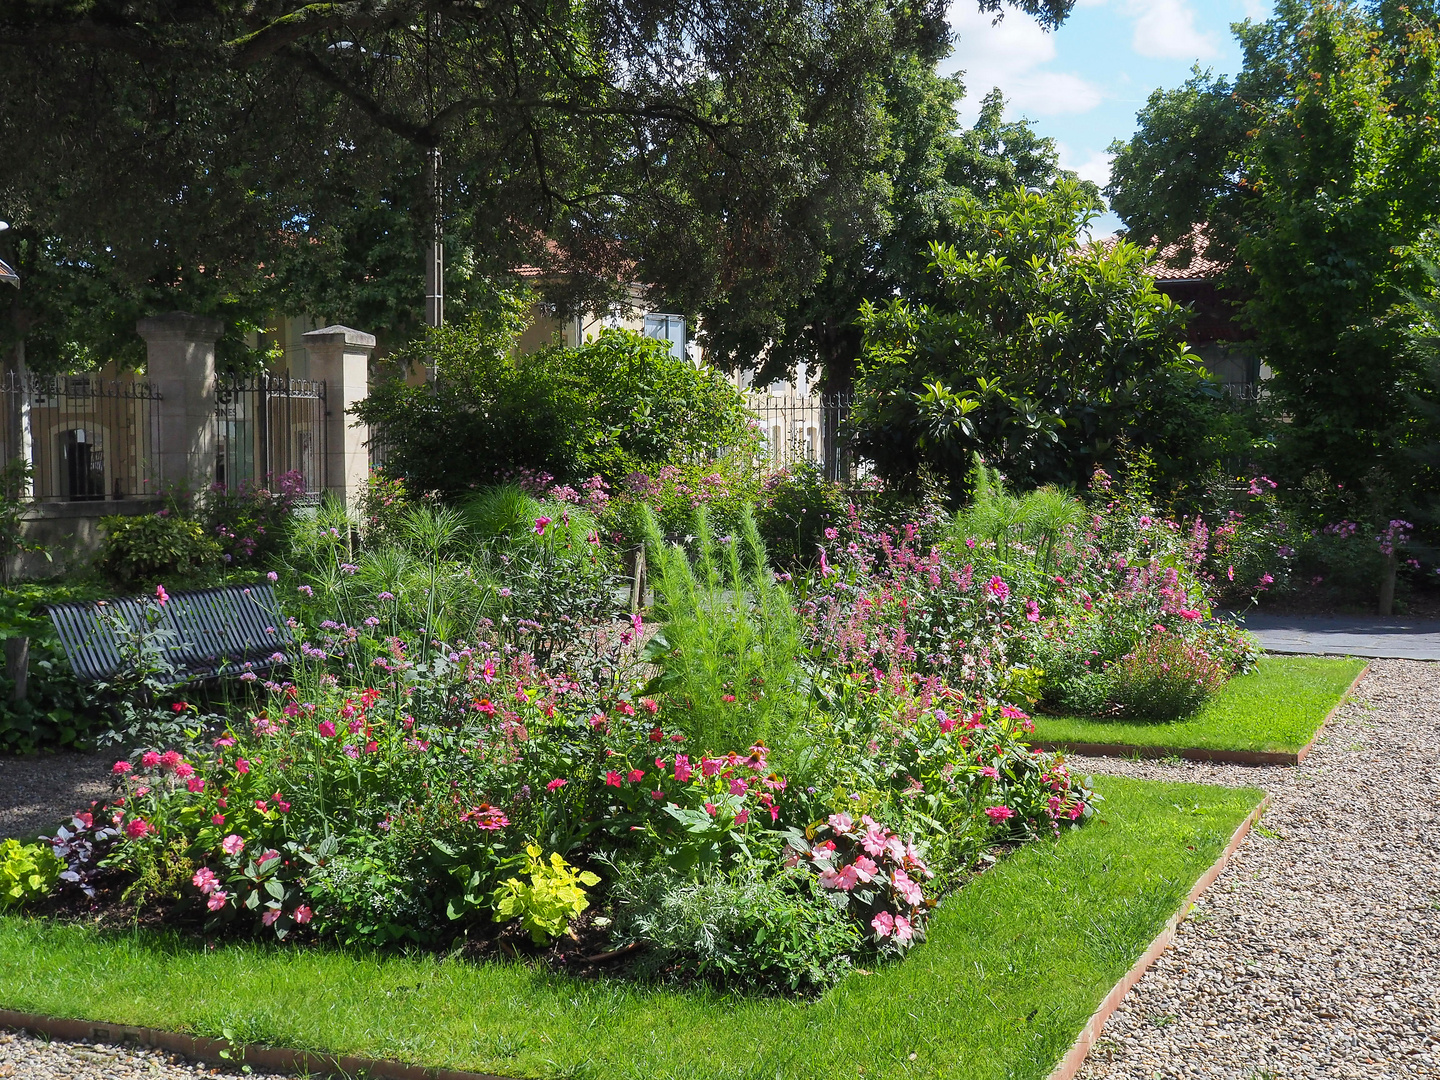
[796,506]
[619,404]
[154,548]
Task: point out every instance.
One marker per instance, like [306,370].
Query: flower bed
[1013,967]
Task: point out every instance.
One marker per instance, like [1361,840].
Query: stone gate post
[180,350]
[341,356]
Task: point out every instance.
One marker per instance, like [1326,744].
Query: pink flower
[217,899]
[658,795]
[1032,611]
[710,808]
[120,768]
[866,868]
[327,728]
[1010,713]
[241,765]
[232,845]
[184,770]
[205,880]
[217,819]
[270,917]
[998,589]
[875,838]
[990,771]
[262,806]
[739,787]
[710,766]
[650,705]
[903,933]
[170,760]
[1190,616]
[138,828]
[540,523]
[557,783]
[742,817]
[908,890]
[161,594]
[612,779]
[635,775]
[194,785]
[947,723]
[303,914]
[841,823]
[884,925]
[149,759]
[683,771]
[998,814]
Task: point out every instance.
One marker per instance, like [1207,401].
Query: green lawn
[1015,964]
[1277,708]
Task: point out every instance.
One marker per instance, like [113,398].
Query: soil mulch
[38,793]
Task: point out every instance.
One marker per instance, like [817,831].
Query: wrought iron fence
[87,438]
[268,425]
[794,428]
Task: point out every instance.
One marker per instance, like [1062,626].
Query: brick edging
[1079,1050]
[1196,753]
[230,1055]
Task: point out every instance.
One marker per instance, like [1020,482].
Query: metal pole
[435,257]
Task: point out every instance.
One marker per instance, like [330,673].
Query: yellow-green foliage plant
[549,900]
[27,872]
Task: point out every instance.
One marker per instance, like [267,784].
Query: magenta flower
[241,765]
[184,770]
[327,728]
[161,595]
[138,828]
[683,771]
[742,817]
[990,771]
[998,589]
[149,759]
[612,779]
[540,524]
[658,795]
[194,785]
[120,768]
[1032,611]
[232,844]
[303,914]
[169,760]
[998,814]
[217,899]
[739,787]
[636,775]
[883,924]
[558,782]
[217,819]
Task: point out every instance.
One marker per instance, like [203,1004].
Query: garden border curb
[1228,757]
[230,1055]
[1080,1049]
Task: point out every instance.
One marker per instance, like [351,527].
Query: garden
[661,758]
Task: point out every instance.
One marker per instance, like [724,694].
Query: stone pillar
[341,356]
[181,364]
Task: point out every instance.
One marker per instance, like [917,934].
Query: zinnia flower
[998,814]
[120,768]
[558,782]
[149,759]
[138,828]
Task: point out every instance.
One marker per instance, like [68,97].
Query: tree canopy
[1033,349]
[701,146]
[1318,170]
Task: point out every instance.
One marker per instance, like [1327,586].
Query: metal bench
[203,635]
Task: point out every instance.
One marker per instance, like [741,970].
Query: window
[669,328]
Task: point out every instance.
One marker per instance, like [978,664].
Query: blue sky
[1083,84]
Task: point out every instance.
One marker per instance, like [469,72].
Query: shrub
[796,506]
[619,404]
[249,522]
[1165,679]
[141,551]
[545,904]
[756,924]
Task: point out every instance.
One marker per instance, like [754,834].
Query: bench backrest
[211,632]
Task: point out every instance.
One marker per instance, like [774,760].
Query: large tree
[1318,171]
[701,145]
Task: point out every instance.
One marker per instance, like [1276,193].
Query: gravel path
[38,793]
[1316,954]
[23,1057]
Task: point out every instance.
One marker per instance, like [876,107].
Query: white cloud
[1166,29]
[1257,10]
[1012,55]
[1093,165]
